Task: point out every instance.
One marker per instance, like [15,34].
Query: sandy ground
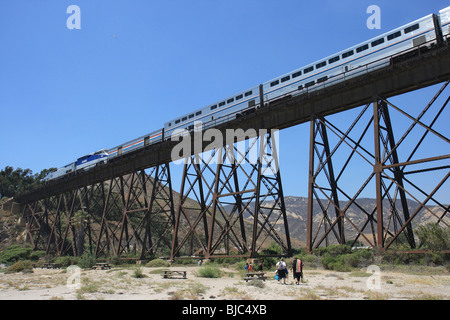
[120,284]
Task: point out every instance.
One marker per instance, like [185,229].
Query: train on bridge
[430,31]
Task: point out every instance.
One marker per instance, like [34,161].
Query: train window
[394,35]
[308,70]
[177,121]
[296,74]
[198,113]
[320,65]
[310,84]
[170,124]
[284,79]
[191,116]
[347,54]
[412,28]
[377,42]
[274,83]
[213,107]
[239,97]
[300,87]
[322,79]
[184,119]
[230,100]
[249,93]
[362,48]
[222,104]
[334,59]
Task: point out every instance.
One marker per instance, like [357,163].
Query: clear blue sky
[135,64]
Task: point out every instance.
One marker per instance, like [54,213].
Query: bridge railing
[344,76]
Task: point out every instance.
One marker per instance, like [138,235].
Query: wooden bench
[170,274]
[102,266]
[255,276]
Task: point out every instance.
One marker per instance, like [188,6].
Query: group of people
[251,268]
[281,269]
[296,268]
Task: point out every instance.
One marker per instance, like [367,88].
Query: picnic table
[255,276]
[102,265]
[172,274]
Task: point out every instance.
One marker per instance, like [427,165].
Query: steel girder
[238,207]
[391,171]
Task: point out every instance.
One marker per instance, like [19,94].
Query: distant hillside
[11,229]
[297,213]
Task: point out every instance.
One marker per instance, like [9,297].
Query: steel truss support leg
[238,202]
[326,197]
[127,214]
[400,201]
[138,214]
[33,216]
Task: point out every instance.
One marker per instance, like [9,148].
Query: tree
[433,237]
[79,220]
[13,182]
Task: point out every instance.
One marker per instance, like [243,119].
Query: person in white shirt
[281,270]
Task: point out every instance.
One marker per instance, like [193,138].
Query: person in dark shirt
[297,270]
[260,266]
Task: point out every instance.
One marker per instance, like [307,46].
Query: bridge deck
[404,75]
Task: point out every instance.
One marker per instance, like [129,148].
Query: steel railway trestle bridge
[127,206]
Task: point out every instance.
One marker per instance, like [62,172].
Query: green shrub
[138,273]
[433,237]
[398,255]
[184,262]
[87,260]
[66,261]
[351,260]
[21,266]
[209,271]
[15,253]
[36,255]
[114,260]
[257,283]
[240,266]
[269,263]
[272,249]
[155,263]
[345,262]
[334,263]
[364,254]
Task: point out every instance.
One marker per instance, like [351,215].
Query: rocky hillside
[11,229]
[297,212]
